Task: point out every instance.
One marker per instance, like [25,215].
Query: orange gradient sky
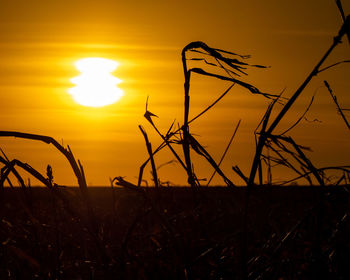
[41,40]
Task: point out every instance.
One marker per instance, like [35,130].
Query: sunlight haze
[96,86]
[132,52]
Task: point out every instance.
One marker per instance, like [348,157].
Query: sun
[96,86]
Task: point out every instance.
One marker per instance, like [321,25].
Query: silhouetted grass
[186,233]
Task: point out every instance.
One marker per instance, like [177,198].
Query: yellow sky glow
[40,42]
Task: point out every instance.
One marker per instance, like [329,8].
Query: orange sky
[40,40]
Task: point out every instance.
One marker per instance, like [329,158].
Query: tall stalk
[185,127]
[263,137]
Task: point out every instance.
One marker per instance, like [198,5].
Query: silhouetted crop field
[265,230]
[175,233]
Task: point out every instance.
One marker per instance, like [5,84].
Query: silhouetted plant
[233,69]
[90,221]
[340,110]
[264,135]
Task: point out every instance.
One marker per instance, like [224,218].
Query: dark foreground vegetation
[260,231]
[175,233]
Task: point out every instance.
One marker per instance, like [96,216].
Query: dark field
[175,233]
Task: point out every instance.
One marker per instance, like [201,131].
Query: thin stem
[149,149]
[49,140]
[337,104]
[185,127]
[285,109]
[224,154]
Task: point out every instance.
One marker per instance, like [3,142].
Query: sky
[41,40]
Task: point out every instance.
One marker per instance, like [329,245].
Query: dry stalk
[263,137]
[6,169]
[224,154]
[233,66]
[150,153]
[66,152]
[92,223]
[337,104]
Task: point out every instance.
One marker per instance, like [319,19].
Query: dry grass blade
[204,60]
[336,41]
[240,173]
[332,65]
[166,138]
[302,116]
[165,163]
[49,175]
[119,181]
[345,169]
[218,54]
[142,167]
[211,105]
[170,134]
[148,115]
[7,164]
[150,153]
[228,71]
[265,119]
[286,162]
[250,87]
[232,53]
[221,57]
[342,178]
[49,140]
[232,66]
[295,156]
[288,105]
[340,8]
[337,104]
[79,173]
[224,154]
[81,170]
[27,168]
[263,123]
[203,152]
[309,164]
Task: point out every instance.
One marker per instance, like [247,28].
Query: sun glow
[96,86]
